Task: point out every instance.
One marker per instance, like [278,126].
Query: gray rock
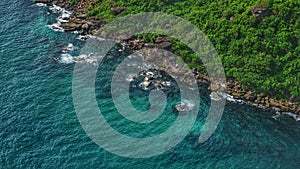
[82,16]
[71,26]
[85,26]
[118,10]
[164,45]
[250,96]
[260,12]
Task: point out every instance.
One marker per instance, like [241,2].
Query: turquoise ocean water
[39,127]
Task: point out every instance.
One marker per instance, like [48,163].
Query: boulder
[78,21]
[215,96]
[184,107]
[274,103]
[90,23]
[125,37]
[71,26]
[118,10]
[85,26]
[250,96]
[168,26]
[260,12]
[164,45]
[161,39]
[284,108]
[149,45]
[82,16]
[214,86]
[236,95]
[222,89]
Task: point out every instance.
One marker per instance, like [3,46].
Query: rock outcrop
[84,25]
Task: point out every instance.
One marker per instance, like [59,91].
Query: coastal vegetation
[257,40]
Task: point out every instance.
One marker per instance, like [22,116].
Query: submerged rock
[184,107]
[158,85]
[145,85]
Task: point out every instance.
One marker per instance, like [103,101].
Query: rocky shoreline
[82,24]
[78,21]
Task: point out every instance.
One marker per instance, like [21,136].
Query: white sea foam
[295,116]
[56,9]
[41,4]
[226,96]
[91,59]
[131,77]
[63,18]
[189,103]
[66,14]
[67,58]
[85,37]
[82,37]
[166,83]
[60,20]
[68,48]
[123,44]
[56,27]
[231,99]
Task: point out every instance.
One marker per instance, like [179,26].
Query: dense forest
[258,40]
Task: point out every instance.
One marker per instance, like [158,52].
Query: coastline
[80,23]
